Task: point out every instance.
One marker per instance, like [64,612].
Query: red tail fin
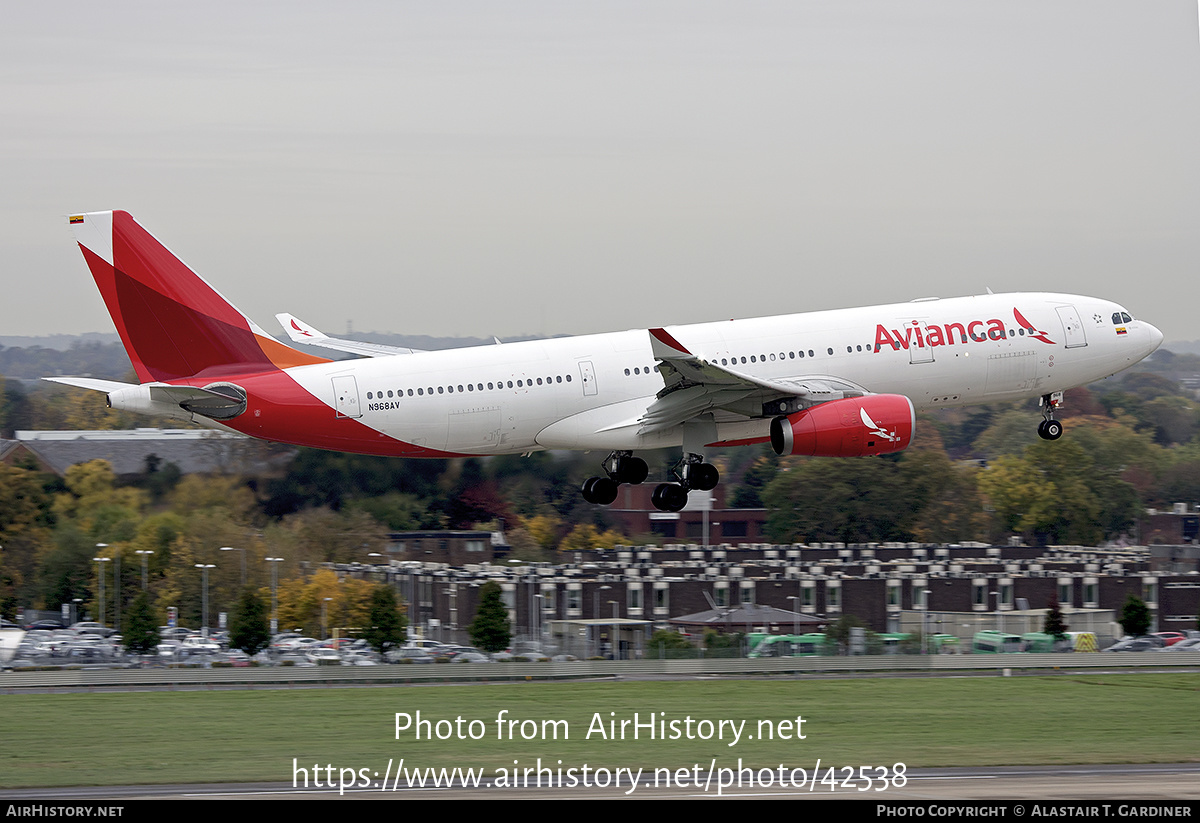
[173,324]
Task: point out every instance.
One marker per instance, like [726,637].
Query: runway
[1115,784]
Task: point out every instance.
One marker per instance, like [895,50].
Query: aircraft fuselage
[589,392]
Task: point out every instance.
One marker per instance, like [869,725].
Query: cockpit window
[1116,318]
[1120,318]
[1126,318]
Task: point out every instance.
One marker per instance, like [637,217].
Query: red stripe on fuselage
[279,409]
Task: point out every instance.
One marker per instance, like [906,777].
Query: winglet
[298,330]
[301,332]
[665,347]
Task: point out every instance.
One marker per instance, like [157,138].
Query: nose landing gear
[1049,428]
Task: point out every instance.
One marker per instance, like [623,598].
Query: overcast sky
[473,168]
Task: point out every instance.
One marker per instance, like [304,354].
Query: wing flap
[693,386]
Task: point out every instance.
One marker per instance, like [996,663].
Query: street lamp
[795,613]
[204,567]
[100,571]
[596,615]
[145,554]
[541,604]
[325,617]
[243,551]
[616,635]
[274,598]
[925,621]
[595,600]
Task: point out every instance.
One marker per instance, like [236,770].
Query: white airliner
[834,383]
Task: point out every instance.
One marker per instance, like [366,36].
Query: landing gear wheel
[599,490]
[703,477]
[586,489]
[631,470]
[1050,429]
[669,497]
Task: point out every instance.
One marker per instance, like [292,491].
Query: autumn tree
[874,499]
[1056,490]
[25,535]
[586,536]
[345,604]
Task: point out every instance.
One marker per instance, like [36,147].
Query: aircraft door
[588,375]
[345,396]
[920,350]
[1073,333]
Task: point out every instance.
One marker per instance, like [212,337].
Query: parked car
[197,644]
[470,657]
[1133,644]
[1170,638]
[320,656]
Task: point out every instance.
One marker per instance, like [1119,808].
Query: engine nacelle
[137,399]
[851,427]
[218,401]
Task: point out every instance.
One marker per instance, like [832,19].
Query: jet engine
[850,427]
[218,401]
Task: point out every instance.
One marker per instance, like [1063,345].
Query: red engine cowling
[851,427]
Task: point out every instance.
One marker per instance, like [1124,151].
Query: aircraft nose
[1155,336]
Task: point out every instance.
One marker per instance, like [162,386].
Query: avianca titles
[834,383]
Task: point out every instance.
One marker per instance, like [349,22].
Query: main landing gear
[693,473]
[1049,428]
[622,467]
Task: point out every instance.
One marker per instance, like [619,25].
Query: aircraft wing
[693,386]
[301,332]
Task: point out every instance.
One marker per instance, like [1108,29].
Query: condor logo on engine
[851,427]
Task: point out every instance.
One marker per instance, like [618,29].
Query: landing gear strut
[621,467]
[1049,428]
[693,473]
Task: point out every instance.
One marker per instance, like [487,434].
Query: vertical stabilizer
[173,324]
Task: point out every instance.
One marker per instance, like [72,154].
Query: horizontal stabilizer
[91,383]
[301,332]
[217,401]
